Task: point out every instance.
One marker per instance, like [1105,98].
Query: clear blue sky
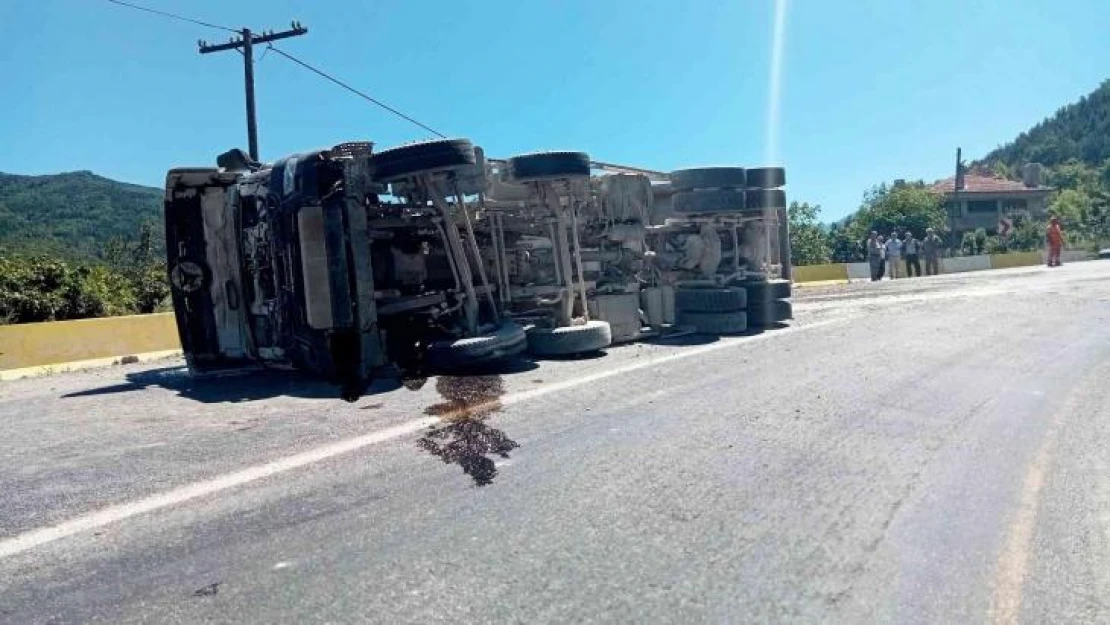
[872,89]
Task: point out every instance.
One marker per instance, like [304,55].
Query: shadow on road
[684,340]
[574,357]
[464,438]
[232,388]
[258,385]
[254,385]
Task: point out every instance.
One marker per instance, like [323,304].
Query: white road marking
[112,514]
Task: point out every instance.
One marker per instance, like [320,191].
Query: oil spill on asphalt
[463,438]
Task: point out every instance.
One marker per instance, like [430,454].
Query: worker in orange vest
[1055,237]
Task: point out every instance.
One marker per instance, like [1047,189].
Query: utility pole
[957,186]
[245,45]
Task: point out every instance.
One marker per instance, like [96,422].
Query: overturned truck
[353,264]
[341,262]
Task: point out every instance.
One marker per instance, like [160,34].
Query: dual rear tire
[712,310]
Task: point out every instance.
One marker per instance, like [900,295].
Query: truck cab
[269,267]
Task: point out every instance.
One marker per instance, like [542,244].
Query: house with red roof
[978,200]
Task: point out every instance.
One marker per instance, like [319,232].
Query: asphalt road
[923,451]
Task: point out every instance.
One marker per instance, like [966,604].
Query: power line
[172,15]
[354,91]
[292,58]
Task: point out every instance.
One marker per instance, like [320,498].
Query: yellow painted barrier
[35,344]
[820,273]
[1016,259]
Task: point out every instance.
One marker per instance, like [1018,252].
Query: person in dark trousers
[875,256]
[910,248]
[931,247]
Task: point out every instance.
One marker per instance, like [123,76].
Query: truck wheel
[708,201]
[766,177]
[708,178]
[770,313]
[756,199]
[767,290]
[422,158]
[729,299]
[591,337]
[715,322]
[506,341]
[549,166]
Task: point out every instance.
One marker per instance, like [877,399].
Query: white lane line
[37,537]
[111,514]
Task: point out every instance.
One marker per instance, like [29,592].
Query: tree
[139,263]
[1027,236]
[1098,218]
[1070,206]
[843,248]
[808,241]
[904,207]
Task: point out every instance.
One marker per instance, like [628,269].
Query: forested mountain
[73,214]
[1079,131]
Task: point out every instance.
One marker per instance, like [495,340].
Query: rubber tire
[758,199]
[593,336]
[421,158]
[506,341]
[770,313]
[728,299]
[766,291]
[766,177]
[704,201]
[549,166]
[714,322]
[708,178]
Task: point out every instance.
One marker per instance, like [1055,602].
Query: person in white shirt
[893,255]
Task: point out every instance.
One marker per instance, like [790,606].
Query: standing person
[893,254]
[1055,237]
[882,256]
[931,246]
[910,247]
[875,256]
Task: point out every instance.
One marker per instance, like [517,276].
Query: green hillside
[1078,131]
[73,214]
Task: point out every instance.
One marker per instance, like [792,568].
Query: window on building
[1011,206]
[952,209]
[982,206]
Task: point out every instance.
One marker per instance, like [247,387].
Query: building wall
[964,220]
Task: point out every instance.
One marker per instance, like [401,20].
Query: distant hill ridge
[72,214]
[1079,131]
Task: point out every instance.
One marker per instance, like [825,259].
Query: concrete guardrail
[818,273]
[1018,259]
[29,347]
